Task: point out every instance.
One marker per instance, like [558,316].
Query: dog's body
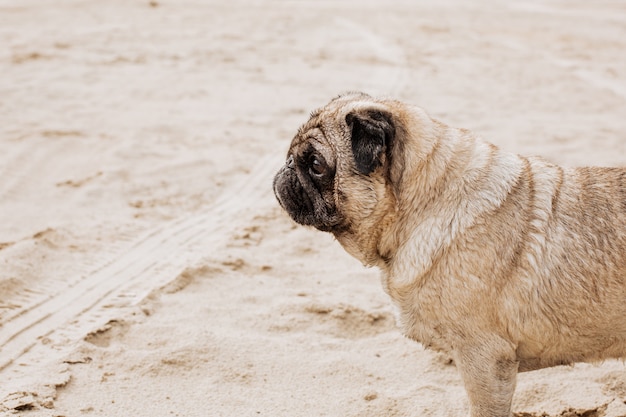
[507,263]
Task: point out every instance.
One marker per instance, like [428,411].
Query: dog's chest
[431,334]
[416,316]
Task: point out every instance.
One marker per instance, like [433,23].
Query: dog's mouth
[305,206]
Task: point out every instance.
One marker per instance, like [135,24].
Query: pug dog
[506,263]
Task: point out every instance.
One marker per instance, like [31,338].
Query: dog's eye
[316,166]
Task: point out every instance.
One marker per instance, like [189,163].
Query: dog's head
[337,166]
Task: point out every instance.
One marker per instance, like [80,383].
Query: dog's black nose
[290,163]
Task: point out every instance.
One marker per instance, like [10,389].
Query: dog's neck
[364,242]
[435,187]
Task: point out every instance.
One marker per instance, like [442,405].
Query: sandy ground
[145,267]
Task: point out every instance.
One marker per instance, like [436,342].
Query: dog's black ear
[372,134]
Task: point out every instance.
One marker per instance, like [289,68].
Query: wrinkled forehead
[341,106]
[326,129]
[313,137]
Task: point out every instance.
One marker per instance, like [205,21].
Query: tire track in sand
[159,254]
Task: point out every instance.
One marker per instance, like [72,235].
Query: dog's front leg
[489,370]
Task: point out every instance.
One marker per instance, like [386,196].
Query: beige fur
[505,262]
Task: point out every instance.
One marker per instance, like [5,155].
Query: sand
[145,266]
